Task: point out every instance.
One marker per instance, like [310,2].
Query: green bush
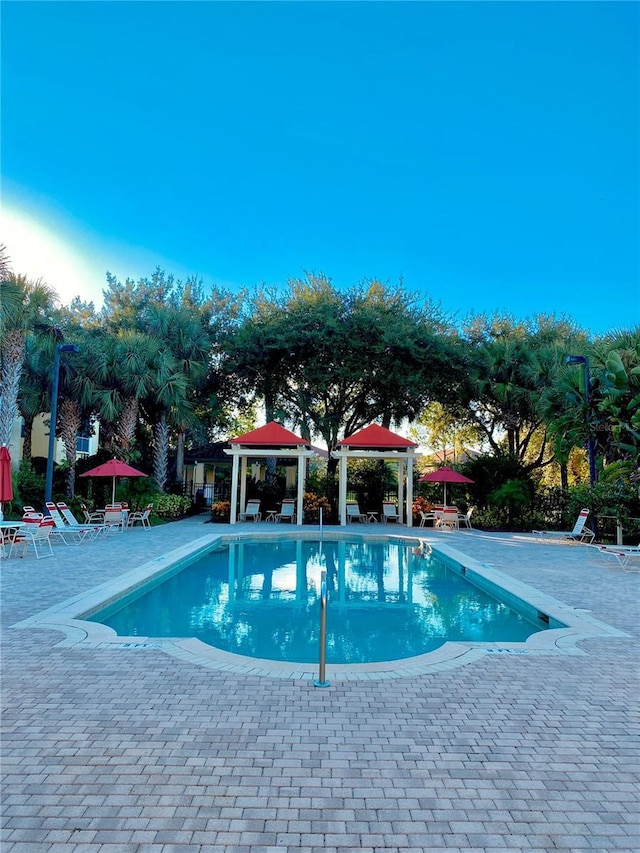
[171,506]
[28,489]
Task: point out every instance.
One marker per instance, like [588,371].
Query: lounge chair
[627,556]
[67,532]
[74,524]
[34,531]
[141,516]
[389,512]
[580,533]
[354,514]
[287,511]
[252,511]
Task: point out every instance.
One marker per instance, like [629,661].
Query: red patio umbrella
[114,468]
[6,489]
[444,475]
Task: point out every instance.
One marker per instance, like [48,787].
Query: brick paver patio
[135,751]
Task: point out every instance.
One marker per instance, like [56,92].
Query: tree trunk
[70,418]
[180,456]
[28,437]
[11,361]
[127,422]
[564,476]
[161,451]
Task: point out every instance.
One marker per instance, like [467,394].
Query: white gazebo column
[400,486]
[342,491]
[234,490]
[301,478]
[243,482]
[410,491]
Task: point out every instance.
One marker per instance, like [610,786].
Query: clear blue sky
[487,153]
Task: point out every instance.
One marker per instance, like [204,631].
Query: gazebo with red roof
[378,442]
[268,441]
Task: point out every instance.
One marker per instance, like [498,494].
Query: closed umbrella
[6,489]
[444,475]
[114,468]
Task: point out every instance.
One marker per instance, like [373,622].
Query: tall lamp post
[583,359]
[48,488]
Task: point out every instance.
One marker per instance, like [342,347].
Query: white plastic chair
[580,533]
[141,516]
[36,532]
[287,511]
[389,512]
[354,514]
[252,511]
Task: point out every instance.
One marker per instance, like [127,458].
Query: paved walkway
[135,751]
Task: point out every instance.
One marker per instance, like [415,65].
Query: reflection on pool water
[261,599]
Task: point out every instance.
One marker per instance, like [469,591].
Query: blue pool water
[261,599]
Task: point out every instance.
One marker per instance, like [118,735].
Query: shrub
[221,510]
[311,506]
[172,506]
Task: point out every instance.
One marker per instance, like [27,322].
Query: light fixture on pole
[583,359]
[48,488]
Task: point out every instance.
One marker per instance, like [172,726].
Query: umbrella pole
[113,491]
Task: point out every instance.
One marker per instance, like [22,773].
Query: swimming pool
[259,598]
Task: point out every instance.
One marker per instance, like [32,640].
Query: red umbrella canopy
[6,489]
[444,475]
[114,468]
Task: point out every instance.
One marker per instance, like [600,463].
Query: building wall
[40,441]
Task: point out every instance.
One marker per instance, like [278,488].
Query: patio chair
[115,517]
[91,515]
[389,512]
[36,532]
[287,511]
[464,518]
[447,519]
[354,514]
[580,533]
[252,511]
[141,516]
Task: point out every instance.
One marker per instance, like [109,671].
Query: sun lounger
[354,514]
[580,533]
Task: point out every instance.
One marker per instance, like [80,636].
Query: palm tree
[5,262]
[26,307]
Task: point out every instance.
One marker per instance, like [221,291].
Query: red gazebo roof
[272,434]
[377,436]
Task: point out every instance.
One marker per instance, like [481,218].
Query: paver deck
[130,750]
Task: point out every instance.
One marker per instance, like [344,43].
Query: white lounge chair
[354,514]
[287,511]
[252,511]
[67,526]
[580,533]
[389,512]
[627,556]
[97,527]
